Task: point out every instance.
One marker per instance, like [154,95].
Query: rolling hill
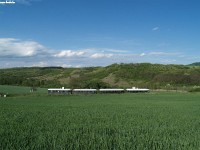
[116,75]
[195,64]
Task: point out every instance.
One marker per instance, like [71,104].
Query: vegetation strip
[125,121]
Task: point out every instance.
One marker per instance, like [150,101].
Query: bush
[195,90]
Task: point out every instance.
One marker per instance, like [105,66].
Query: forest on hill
[153,76]
[195,64]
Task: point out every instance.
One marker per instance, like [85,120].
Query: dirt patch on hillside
[112,81]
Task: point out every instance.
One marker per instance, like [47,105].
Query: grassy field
[20,90]
[118,121]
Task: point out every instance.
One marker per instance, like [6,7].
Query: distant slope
[195,64]
[116,75]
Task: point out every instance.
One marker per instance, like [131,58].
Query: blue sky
[79,33]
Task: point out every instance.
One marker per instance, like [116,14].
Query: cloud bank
[16,48]
[69,53]
[27,53]
[101,55]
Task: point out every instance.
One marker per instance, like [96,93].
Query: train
[64,91]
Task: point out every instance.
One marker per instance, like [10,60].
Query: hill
[116,75]
[195,64]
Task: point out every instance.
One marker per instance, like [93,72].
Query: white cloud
[40,64]
[143,54]
[104,50]
[163,53]
[78,66]
[69,53]
[19,53]
[113,50]
[17,48]
[101,55]
[150,54]
[168,61]
[66,66]
[155,29]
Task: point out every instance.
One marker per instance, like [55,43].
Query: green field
[114,121]
[20,90]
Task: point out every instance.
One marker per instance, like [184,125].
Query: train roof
[54,89]
[111,89]
[84,89]
[137,89]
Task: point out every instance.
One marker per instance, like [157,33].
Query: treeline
[117,75]
[29,76]
[195,64]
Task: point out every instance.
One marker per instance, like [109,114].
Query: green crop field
[115,121]
[7,89]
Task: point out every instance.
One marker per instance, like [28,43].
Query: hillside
[195,64]
[117,75]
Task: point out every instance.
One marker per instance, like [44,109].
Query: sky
[84,33]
